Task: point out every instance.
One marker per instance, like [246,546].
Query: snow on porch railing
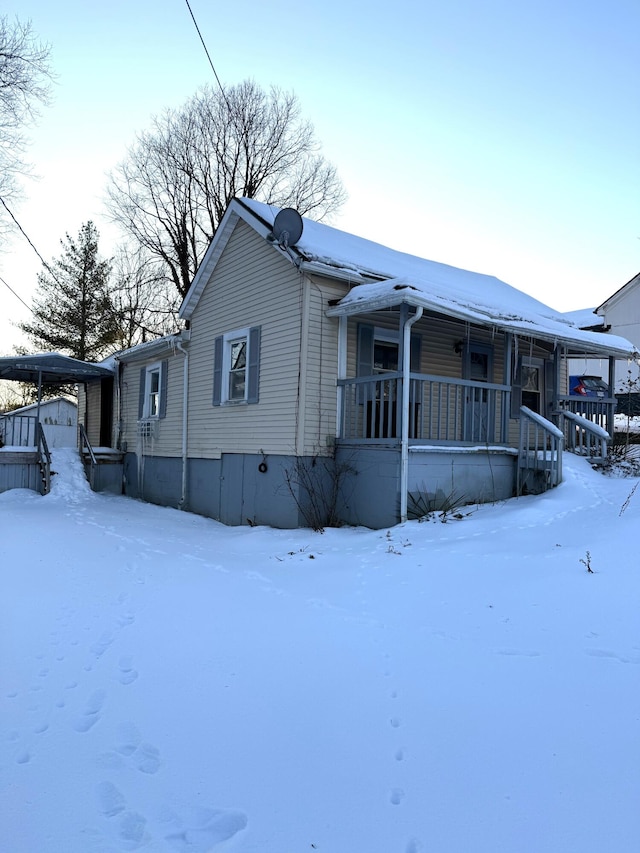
[583,436]
[440,409]
[539,453]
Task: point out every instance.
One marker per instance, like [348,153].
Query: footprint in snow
[91,713]
[605,653]
[127,674]
[205,829]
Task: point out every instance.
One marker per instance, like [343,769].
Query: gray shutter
[516,390]
[164,370]
[364,366]
[549,388]
[416,348]
[253,366]
[365,350]
[217,371]
[143,380]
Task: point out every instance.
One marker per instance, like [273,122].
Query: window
[237,354]
[531,387]
[385,356]
[153,391]
[152,394]
[236,367]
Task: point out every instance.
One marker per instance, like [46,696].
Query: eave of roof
[401,292]
[157,346]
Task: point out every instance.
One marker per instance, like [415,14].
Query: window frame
[228,340]
[144,406]
[148,409]
[223,371]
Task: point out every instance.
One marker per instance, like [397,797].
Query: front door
[478,410]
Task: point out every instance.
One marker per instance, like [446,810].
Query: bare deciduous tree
[145,304]
[179,177]
[24,78]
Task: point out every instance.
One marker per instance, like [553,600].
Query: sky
[178,686]
[497,137]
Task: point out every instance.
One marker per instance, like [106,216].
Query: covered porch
[452,411]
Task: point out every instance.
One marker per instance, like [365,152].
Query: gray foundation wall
[233,489]
[371,494]
[252,489]
[479,476]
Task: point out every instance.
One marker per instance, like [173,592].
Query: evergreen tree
[72,310]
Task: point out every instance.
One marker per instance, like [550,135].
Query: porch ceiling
[375,297]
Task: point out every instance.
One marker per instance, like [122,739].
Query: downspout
[185,406]
[404,445]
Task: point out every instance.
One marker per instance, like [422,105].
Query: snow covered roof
[584,318]
[382,277]
[147,349]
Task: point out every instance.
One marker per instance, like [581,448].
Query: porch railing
[539,453]
[18,430]
[85,445]
[44,459]
[584,436]
[440,409]
[597,410]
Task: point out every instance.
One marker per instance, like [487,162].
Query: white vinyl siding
[252,285]
[321,367]
[167,433]
[93,412]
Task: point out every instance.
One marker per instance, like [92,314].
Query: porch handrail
[599,410]
[426,377]
[441,408]
[586,437]
[44,457]
[84,442]
[540,448]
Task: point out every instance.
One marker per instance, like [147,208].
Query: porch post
[404,455]
[342,372]
[507,380]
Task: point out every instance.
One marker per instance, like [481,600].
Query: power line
[17,295]
[24,233]
[30,242]
[215,73]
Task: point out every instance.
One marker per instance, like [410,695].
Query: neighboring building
[323,368]
[59,419]
[618,315]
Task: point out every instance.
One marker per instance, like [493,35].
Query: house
[618,315]
[320,375]
[59,419]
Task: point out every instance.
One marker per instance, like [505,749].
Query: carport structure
[25,461]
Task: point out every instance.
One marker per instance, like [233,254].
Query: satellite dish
[287,227]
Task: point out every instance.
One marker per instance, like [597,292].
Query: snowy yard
[169,684]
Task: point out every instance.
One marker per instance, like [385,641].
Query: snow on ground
[170,684]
